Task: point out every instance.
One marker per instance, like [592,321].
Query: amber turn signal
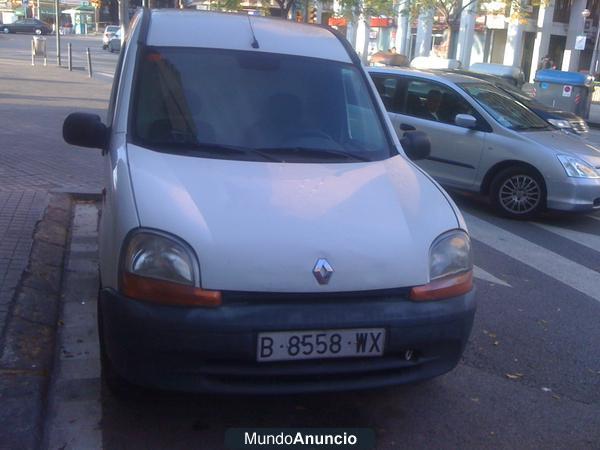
[447,287]
[166,292]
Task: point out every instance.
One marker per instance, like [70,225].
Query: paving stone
[36,306]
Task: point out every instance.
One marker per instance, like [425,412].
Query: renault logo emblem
[322,271]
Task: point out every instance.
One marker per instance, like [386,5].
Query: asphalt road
[530,376]
[17,47]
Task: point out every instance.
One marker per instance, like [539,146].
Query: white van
[262,228]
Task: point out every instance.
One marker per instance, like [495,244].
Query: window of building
[562,11]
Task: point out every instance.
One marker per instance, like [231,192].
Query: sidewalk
[34,163]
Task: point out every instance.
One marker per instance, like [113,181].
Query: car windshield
[502,107]
[259,106]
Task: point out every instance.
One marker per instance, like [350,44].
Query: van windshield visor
[251,105]
[502,107]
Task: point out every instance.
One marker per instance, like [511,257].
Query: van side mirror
[85,130]
[416,145]
[465,121]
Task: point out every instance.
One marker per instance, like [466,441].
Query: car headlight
[162,269]
[575,167]
[450,268]
[560,123]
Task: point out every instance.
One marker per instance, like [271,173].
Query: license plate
[320,344]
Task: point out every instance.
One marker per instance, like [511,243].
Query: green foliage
[226,5]
[370,8]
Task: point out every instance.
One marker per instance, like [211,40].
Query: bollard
[32,52]
[89,62]
[70,57]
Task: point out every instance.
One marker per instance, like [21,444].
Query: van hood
[564,142]
[261,226]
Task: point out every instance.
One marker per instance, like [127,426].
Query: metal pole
[594,62]
[32,52]
[57,30]
[123,18]
[89,62]
[37,10]
[70,57]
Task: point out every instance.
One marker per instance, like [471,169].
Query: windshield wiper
[314,152]
[220,149]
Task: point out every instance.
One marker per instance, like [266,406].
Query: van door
[425,105]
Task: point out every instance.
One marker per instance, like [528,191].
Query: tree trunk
[453,29]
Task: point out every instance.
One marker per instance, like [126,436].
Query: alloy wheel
[520,194]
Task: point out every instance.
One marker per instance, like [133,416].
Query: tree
[362,10]
[450,12]
[284,7]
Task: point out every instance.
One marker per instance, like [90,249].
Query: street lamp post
[57,30]
[593,63]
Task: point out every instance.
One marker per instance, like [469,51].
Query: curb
[27,355]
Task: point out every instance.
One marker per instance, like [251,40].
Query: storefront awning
[337,22]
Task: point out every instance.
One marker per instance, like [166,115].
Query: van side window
[432,101]
[115,87]
[388,90]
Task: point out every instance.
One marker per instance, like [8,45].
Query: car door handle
[407,127]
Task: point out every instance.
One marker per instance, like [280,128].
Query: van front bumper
[214,349]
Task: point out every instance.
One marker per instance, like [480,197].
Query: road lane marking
[574,275]
[104,74]
[478,272]
[586,239]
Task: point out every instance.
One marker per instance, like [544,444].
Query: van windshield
[255,106]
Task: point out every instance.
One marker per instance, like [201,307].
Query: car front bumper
[574,194]
[214,349]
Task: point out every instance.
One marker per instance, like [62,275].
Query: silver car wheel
[6,30]
[520,194]
[38,31]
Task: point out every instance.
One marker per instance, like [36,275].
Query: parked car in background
[513,76]
[565,120]
[114,43]
[32,26]
[109,32]
[483,140]
[352,269]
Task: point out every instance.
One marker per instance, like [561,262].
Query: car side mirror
[85,130]
[416,145]
[465,121]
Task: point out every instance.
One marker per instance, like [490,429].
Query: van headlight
[450,268]
[575,167]
[159,268]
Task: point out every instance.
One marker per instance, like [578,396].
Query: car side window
[387,87]
[432,101]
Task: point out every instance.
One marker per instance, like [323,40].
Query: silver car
[114,43]
[483,140]
[109,32]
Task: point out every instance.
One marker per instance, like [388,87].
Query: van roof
[205,29]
